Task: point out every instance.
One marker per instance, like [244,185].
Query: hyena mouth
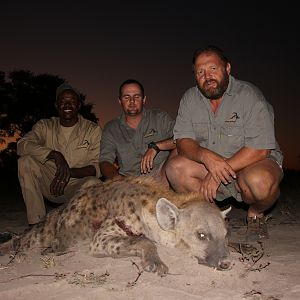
[220,265]
[202,261]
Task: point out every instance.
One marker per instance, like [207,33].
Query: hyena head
[199,229]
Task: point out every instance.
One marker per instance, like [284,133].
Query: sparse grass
[257,295]
[140,272]
[82,279]
[48,262]
[88,278]
[250,256]
[15,256]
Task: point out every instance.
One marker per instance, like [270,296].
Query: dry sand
[270,270]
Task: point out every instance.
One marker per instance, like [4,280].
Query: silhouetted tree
[26,98]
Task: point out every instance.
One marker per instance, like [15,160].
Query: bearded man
[225,138]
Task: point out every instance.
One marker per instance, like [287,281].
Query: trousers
[35,179]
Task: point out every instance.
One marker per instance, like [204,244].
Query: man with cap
[58,155]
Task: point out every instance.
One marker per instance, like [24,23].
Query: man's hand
[220,170]
[213,162]
[62,175]
[147,161]
[209,188]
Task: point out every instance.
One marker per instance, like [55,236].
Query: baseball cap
[63,87]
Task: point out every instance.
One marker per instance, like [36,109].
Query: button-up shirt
[81,149]
[243,119]
[126,145]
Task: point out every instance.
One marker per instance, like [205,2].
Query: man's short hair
[131,81]
[210,49]
[66,87]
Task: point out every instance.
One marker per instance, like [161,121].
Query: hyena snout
[222,263]
[217,256]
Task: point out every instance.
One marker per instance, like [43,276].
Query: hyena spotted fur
[127,217]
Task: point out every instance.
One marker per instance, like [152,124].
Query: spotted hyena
[127,218]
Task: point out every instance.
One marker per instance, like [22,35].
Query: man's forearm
[245,157]
[166,145]
[108,170]
[83,172]
[190,149]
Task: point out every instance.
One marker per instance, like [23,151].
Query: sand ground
[269,270]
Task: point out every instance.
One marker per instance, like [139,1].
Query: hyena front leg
[111,240]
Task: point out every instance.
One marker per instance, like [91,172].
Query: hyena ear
[225,212]
[166,214]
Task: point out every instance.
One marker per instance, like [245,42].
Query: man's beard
[215,93]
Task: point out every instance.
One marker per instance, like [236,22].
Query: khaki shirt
[128,145]
[81,150]
[243,119]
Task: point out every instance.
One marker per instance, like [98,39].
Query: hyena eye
[201,236]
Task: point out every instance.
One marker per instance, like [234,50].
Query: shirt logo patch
[233,118]
[84,144]
[150,133]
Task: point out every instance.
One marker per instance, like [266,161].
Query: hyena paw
[154,264]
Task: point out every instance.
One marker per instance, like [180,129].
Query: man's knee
[261,184]
[175,166]
[25,162]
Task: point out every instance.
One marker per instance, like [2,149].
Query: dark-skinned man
[58,155]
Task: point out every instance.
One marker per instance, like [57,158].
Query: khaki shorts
[230,190]
[227,191]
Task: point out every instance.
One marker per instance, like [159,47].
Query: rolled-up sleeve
[183,126]
[94,149]
[167,124]
[259,127]
[107,148]
[33,143]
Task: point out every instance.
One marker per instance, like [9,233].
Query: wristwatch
[152,145]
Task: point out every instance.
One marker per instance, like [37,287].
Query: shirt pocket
[77,155]
[232,138]
[201,133]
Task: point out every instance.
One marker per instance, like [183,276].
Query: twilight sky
[95,45]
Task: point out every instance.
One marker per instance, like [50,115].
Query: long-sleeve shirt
[82,148]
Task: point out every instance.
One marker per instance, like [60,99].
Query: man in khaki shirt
[58,155]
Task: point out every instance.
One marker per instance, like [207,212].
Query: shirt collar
[123,120]
[230,86]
